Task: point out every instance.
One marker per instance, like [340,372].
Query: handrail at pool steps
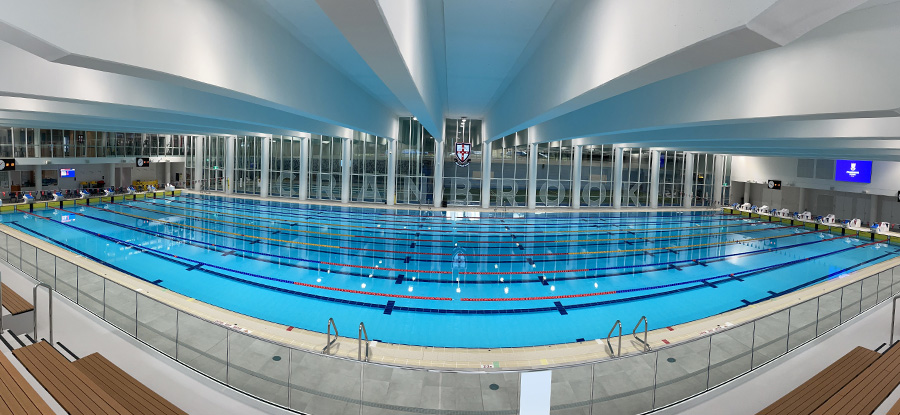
[893,316]
[608,343]
[330,341]
[362,333]
[634,333]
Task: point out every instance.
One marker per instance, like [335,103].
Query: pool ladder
[618,323]
[362,334]
[330,340]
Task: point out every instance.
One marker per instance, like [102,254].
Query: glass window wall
[325,167]
[462,181]
[415,164]
[247,160]
[368,173]
[596,175]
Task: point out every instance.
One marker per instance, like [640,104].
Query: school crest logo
[463,154]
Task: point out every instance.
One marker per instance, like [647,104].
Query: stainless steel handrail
[330,340]
[1,302]
[893,317]
[362,332]
[35,302]
[608,343]
[634,333]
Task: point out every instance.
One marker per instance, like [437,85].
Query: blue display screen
[853,171]
[66,172]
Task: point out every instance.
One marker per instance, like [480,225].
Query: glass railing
[315,383]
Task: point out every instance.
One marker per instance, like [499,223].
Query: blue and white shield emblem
[463,153]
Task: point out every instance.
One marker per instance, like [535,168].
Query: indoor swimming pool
[454,279]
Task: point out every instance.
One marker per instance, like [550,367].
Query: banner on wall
[774,184]
[142,162]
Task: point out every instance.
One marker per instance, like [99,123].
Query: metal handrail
[608,343]
[634,333]
[35,302]
[1,302]
[330,340]
[893,317]
[362,332]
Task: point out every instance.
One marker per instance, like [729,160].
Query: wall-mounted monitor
[66,172]
[857,171]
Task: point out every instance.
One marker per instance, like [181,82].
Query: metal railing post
[634,333]
[49,301]
[1,302]
[893,318]
[362,332]
[329,341]
[608,343]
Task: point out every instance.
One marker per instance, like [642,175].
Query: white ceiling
[719,75]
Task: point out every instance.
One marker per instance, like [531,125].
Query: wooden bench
[16,395]
[132,394]
[868,390]
[14,303]
[75,392]
[807,397]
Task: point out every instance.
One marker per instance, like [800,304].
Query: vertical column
[801,202]
[229,163]
[304,166]
[438,172]
[264,166]
[746,192]
[111,175]
[38,183]
[576,177]
[718,178]
[199,160]
[346,178]
[391,191]
[688,179]
[167,177]
[617,178]
[532,175]
[486,174]
[873,208]
[37,142]
[654,179]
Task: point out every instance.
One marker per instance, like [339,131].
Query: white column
[199,160]
[801,202]
[688,179]
[746,192]
[345,169]
[391,191]
[718,178]
[229,163]
[532,175]
[167,177]
[304,166]
[873,208]
[654,179]
[264,166]
[111,175]
[38,183]
[617,178]
[486,174]
[575,197]
[438,172]
[37,142]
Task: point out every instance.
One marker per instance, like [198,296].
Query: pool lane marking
[432,272]
[433,230]
[205,264]
[448,253]
[623,267]
[448,311]
[312,212]
[443,241]
[705,281]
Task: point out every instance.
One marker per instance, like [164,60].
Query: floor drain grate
[494,386]
[671,360]
[276,358]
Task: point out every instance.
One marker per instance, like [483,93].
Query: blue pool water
[451,279]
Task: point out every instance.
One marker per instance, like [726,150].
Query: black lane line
[560,308]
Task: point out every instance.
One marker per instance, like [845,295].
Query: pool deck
[456,358]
